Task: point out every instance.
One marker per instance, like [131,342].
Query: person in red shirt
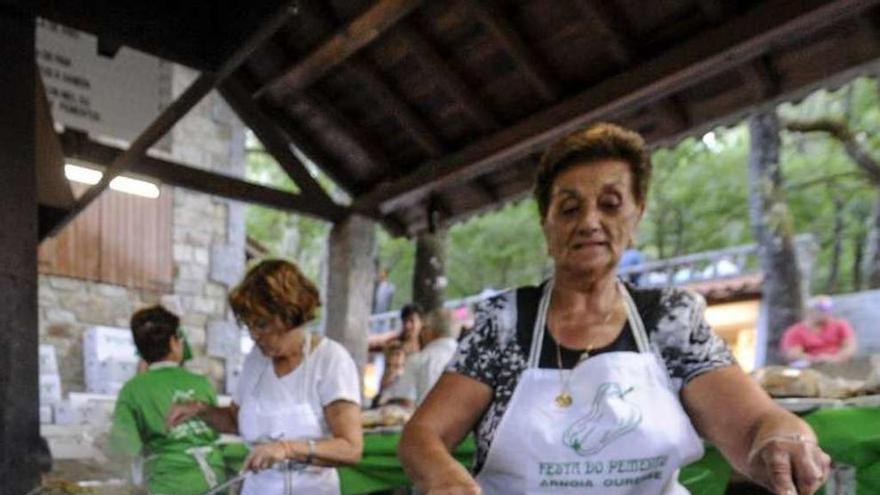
[820,337]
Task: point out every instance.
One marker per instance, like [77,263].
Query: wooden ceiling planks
[444,105]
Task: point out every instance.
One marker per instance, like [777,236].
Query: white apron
[625,432]
[271,413]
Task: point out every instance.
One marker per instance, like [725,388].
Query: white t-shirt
[332,375]
[423,369]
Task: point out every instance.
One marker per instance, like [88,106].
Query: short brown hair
[275,288]
[152,329]
[601,141]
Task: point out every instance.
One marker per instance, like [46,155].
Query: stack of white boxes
[50,383]
[110,359]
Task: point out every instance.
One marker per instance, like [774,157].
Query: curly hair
[152,329]
[275,288]
[598,142]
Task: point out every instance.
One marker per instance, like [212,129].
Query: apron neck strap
[636,325]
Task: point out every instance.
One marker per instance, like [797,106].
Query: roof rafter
[719,49]
[447,77]
[488,14]
[621,48]
[77,145]
[203,84]
[276,142]
[412,124]
[347,41]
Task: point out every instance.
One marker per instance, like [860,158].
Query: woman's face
[592,217]
[273,338]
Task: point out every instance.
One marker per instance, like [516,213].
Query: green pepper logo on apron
[592,433]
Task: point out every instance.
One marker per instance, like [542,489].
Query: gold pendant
[563,399]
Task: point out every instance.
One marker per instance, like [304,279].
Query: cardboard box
[50,389]
[48,360]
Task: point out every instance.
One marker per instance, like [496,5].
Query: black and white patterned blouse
[495,352]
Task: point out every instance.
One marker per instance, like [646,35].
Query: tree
[429,275]
[772,224]
[869,167]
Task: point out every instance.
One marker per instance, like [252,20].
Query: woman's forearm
[222,419]
[427,460]
[325,452]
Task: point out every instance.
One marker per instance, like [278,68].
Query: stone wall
[208,237]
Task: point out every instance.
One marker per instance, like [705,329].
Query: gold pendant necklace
[564,398]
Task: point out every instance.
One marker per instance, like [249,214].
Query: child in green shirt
[183,460]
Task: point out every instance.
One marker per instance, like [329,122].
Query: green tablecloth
[850,436]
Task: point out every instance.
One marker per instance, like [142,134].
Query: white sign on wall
[116,97]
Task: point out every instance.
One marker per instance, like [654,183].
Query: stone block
[109,290]
[62,331]
[64,283]
[58,315]
[192,271]
[196,336]
[216,291]
[223,337]
[205,305]
[184,235]
[188,286]
[227,264]
[200,256]
[190,319]
[46,293]
[171,302]
[183,253]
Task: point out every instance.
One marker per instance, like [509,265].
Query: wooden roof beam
[490,16]
[713,10]
[704,56]
[275,141]
[760,78]
[621,48]
[178,108]
[77,145]
[350,39]
[447,77]
[412,124]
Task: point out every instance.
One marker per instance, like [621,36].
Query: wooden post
[429,274]
[783,293]
[19,380]
[350,285]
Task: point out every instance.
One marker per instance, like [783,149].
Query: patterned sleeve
[479,353]
[685,341]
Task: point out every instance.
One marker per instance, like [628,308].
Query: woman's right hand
[182,412]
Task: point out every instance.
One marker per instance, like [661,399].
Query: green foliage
[295,237]
[498,250]
[698,197]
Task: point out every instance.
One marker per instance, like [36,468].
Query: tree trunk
[837,246]
[872,260]
[782,291]
[429,274]
[859,241]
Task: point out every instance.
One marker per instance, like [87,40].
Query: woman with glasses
[298,400]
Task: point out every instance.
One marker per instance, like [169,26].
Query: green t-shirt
[171,465]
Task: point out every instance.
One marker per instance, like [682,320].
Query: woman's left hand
[789,464]
[266,455]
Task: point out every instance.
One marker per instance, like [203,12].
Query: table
[849,435]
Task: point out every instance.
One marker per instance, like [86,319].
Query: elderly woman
[299,394]
[584,382]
